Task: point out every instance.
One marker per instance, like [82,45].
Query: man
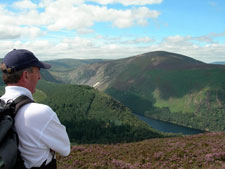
[37,125]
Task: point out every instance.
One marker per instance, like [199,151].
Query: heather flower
[147,165]
[215,156]
[158,155]
[200,151]
[120,164]
[78,148]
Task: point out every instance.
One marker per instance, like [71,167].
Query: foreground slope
[162,85]
[198,151]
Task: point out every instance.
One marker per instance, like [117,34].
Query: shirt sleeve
[55,136]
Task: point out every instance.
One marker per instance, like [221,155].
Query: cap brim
[43,65]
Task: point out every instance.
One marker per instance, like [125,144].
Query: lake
[168,127]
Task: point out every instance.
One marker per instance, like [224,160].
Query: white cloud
[128,2]
[144,40]
[127,18]
[217,34]
[85,31]
[84,16]
[142,14]
[24,4]
[60,3]
[71,15]
[176,39]
[141,40]
[86,48]
[19,25]
[210,38]
[8,32]
[204,39]
[13,32]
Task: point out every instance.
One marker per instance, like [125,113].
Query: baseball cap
[19,59]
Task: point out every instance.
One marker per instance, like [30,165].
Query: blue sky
[113,29]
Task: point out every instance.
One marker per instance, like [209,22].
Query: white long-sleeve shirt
[39,130]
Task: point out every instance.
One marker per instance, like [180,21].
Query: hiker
[39,130]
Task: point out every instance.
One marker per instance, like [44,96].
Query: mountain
[161,85]
[101,74]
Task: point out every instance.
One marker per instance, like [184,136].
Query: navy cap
[19,59]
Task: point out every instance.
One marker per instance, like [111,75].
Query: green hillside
[91,116]
[193,98]
[162,85]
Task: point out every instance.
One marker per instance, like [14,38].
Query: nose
[39,75]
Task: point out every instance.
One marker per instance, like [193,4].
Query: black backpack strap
[20,101]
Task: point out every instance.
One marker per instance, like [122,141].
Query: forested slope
[91,116]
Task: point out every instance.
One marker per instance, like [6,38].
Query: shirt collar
[16,91]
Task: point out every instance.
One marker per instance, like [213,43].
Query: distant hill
[64,65]
[61,68]
[162,85]
[219,63]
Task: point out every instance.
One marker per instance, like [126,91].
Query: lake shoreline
[168,127]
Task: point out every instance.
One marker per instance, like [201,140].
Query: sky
[113,29]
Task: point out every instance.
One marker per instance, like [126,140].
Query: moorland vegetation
[203,151]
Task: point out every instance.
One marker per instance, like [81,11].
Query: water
[168,127]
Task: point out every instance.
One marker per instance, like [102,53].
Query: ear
[25,76]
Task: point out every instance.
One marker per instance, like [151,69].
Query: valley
[162,85]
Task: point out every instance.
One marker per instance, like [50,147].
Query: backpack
[9,154]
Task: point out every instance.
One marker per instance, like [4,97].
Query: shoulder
[40,106]
[34,118]
[37,109]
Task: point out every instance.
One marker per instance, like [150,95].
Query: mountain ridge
[101,72]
